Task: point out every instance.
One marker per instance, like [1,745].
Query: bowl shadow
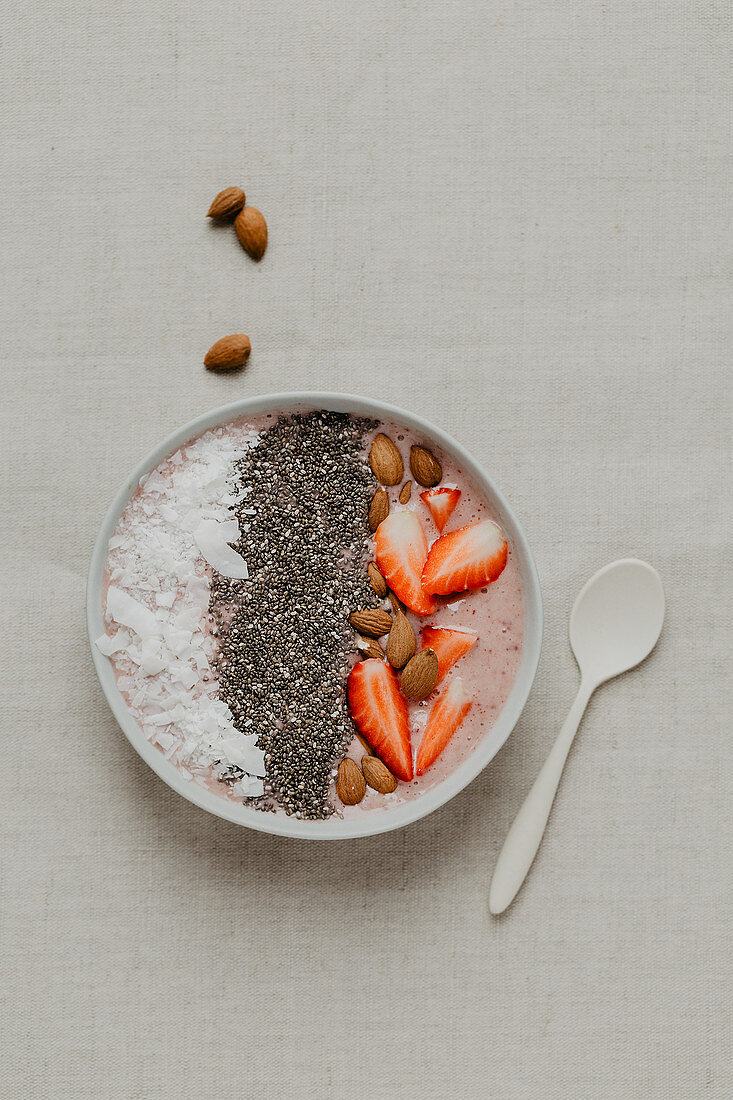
[460,837]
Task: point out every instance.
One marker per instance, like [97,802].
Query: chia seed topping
[303,493]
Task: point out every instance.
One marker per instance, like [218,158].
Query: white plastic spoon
[616,621]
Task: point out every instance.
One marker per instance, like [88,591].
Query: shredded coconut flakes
[176,525]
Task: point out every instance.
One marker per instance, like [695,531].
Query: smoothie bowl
[314,614]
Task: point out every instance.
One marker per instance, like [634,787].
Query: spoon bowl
[616,619]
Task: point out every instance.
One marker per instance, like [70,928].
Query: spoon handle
[525,835]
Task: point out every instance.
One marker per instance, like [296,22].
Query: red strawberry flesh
[401,550]
[380,714]
[448,645]
[468,558]
[441,503]
[448,711]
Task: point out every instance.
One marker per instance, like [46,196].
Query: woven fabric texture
[512,219]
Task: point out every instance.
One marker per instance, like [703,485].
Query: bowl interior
[377,821]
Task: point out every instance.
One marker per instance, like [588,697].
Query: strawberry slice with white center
[447,644]
[468,558]
[379,712]
[441,503]
[449,710]
[401,550]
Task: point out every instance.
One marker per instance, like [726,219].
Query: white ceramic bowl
[377,821]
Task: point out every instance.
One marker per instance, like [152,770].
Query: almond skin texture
[386,461]
[378,509]
[228,353]
[350,784]
[396,605]
[376,580]
[378,775]
[420,675]
[401,642]
[370,647]
[226,204]
[251,229]
[425,467]
[371,623]
[405,492]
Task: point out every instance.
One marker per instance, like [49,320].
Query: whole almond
[226,204]
[228,353]
[370,647]
[378,509]
[371,622]
[350,783]
[405,492]
[425,467]
[401,641]
[420,675]
[378,775]
[376,580]
[251,228]
[385,460]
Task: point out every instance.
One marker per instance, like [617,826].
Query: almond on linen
[401,642]
[425,467]
[420,675]
[378,509]
[371,622]
[228,353]
[350,783]
[376,580]
[226,204]
[251,229]
[405,492]
[385,460]
[378,775]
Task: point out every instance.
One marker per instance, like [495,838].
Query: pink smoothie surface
[495,613]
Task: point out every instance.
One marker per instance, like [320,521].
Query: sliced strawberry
[441,503]
[448,711]
[380,714]
[401,549]
[448,645]
[468,558]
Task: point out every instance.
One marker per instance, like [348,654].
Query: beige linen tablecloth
[510,218]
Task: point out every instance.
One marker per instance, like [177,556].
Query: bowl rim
[334,828]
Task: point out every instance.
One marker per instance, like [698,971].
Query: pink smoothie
[495,613]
